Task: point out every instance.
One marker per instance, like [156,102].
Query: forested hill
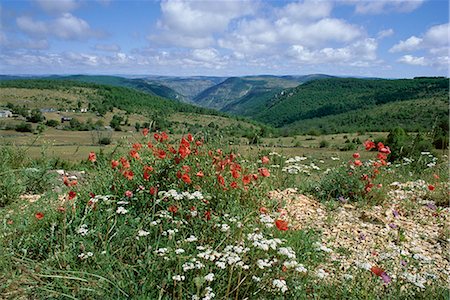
[333,99]
[103,98]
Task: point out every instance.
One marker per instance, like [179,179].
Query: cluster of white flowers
[179,251]
[224,227]
[178,278]
[122,202]
[191,239]
[300,168]
[321,273]
[209,277]
[274,154]
[142,233]
[280,284]
[121,210]
[183,195]
[262,243]
[105,198]
[266,220]
[415,279]
[287,251]
[83,230]
[169,232]
[295,159]
[193,264]
[321,247]
[265,263]
[161,251]
[209,294]
[85,255]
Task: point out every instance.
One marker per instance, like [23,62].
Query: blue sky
[382,38]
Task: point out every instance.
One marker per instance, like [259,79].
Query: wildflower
[280,284]
[191,238]
[133,153]
[142,233]
[431,187]
[179,251]
[224,227]
[233,185]
[83,230]
[173,209]
[145,131]
[208,215]
[221,180]
[246,179]
[185,177]
[356,155]
[61,209]
[129,194]
[199,174]
[72,195]
[128,174]
[137,146]
[281,225]
[125,163]
[92,157]
[178,278]
[121,210]
[357,163]
[264,160]
[114,163]
[369,145]
[153,190]
[263,210]
[264,172]
[39,215]
[161,154]
[209,277]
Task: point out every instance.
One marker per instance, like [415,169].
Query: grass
[126,241]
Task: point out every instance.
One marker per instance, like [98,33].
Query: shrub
[24,127]
[324,144]
[52,123]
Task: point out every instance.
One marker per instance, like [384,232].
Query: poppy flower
[264,172]
[72,195]
[357,163]
[157,137]
[145,131]
[125,163]
[233,185]
[161,154]
[187,169]
[92,157]
[356,155]
[431,187]
[207,215]
[185,177]
[173,209]
[128,174]
[264,160]
[235,174]
[172,150]
[146,175]
[153,190]
[199,174]
[150,145]
[376,270]
[436,176]
[148,168]
[198,143]
[385,150]
[263,210]
[221,180]
[381,156]
[369,145]
[246,179]
[137,146]
[184,142]
[164,137]
[39,215]
[129,194]
[114,163]
[184,151]
[190,138]
[134,154]
[281,225]
[61,209]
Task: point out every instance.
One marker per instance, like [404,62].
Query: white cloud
[385,33]
[306,11]
[66,26]
[435,40]
[386,6]
[57,6]
[413,60]
[411,44]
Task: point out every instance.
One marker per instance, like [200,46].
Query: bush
[24,127]
[324,144]
[105,141]
[52,123]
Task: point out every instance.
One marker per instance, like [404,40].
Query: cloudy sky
[383,38]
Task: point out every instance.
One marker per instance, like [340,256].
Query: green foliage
[24,127]
[52,123]
[324,144]
[35,116]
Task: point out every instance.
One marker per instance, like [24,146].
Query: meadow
[158,216]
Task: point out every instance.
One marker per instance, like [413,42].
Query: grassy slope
[365,99]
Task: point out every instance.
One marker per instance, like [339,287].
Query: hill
[354,103]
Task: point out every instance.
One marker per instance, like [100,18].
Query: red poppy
[39,215]
[137,146]
[114,163]
[281,225]
[184,151]
[125,162]
[128,174]
[431,187]
[10,222]
[357,163]
[161,154]
[184,142]
[190,138]
[187,169]
[356,155]
[164,137]
[146,175]
[208,215]
[264,172]
[385,150]
[134,154]
[263,210]
[235,174]
[186,178]
[265,160]
[381,156]
[255,176]
[148,168]
[369,145]
[436,176]
[156,136]
[233,185]
[92,157]
[377,271]
[198,143]
[145,131]
[150,145]
[221,180]
[246,179]
[61,209]
[199,174]
[72,195]
[153,190]
[173,209]
[172,150]
[129,194]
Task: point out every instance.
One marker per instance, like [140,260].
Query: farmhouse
[5,114]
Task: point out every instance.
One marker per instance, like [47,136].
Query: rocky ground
[408,237]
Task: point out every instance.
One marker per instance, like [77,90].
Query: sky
[371,38]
